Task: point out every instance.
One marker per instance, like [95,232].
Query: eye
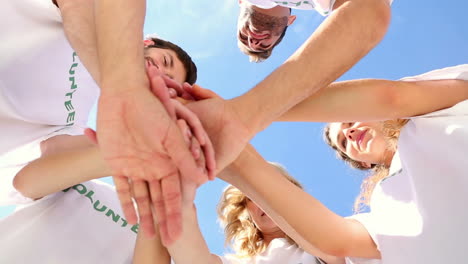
[151,61]
[243,37]
[165,61]
[344,143]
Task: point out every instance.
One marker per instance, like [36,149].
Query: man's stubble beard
[262,22]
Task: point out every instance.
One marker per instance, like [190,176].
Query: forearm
[80,29]
[150,250]
[121,61]
[313,226]
[58,171]
[370,100]
[191,247]
[350,32]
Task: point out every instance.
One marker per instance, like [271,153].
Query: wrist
[244,108]
[237,171]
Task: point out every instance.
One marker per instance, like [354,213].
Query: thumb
[200,93]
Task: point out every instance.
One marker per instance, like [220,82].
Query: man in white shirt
[262,24]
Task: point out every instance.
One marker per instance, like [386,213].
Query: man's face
[167,62]
[259,29]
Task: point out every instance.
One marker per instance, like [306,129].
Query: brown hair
[239,229]
[378,172]
[186,60]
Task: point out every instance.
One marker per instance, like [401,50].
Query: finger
[171,83]
[159,210]
[197,153]
[184,128]
[172,93]
[142,198]
[210,159]
[159,89]
[185,94]
[171,192]
[91,135]
[123,189]
[181,157]
[200,93]
[196,126]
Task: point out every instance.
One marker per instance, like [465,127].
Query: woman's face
[363,142]
[261,219]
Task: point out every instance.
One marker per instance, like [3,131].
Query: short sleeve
[324,7]
[230,259]
[10,164]
[366,219]
[15,160]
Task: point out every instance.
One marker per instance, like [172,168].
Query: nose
[254,43]
[350,133]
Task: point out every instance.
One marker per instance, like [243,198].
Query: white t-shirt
[43,85]
[324,7]
[279,251]
[82,224]
[418,213]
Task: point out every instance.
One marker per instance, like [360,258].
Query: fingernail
[189,133]
[172,93]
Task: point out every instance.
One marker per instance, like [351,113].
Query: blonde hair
[240,231]
[391,129]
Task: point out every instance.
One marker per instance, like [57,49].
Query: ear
[366,165]
[291,19]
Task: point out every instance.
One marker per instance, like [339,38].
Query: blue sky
[424,35]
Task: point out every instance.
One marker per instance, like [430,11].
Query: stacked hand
[142,142]
[150,142]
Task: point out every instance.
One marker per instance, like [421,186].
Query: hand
[220,120]
[139,140]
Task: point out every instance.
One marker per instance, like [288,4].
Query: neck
[268,237]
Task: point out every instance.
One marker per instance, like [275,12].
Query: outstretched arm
[137,136]
[348,34]
[80,30]
[313,226]
[370,99]
[150,250]
[191,247]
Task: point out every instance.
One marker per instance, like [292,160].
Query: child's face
[167,61]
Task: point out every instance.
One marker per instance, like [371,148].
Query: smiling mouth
[361,137]
[256,34]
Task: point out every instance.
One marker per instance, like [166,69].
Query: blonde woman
[254,236]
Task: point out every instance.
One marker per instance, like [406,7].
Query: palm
[132,129]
